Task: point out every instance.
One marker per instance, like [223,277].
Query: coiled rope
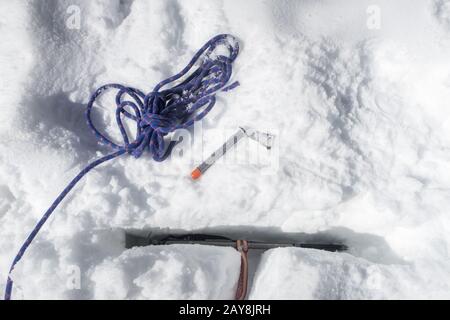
[156,114]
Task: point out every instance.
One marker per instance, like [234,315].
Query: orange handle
[196,174]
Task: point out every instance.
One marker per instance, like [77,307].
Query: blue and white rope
[156,114]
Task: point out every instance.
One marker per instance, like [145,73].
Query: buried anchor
[241,245]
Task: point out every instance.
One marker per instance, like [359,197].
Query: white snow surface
[363,132]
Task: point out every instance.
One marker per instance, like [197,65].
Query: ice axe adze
[241,245]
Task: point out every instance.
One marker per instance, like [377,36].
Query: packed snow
[356,91]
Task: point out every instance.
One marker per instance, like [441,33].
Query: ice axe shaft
[205,165]
[221,241]
[261,245]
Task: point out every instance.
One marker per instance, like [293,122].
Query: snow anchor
[243,246]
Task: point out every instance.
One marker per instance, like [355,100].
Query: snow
[312,274]
[363,148]
[163,273]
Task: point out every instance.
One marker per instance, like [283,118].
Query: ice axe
[265,139]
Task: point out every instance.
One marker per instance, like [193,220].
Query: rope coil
[156,114]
